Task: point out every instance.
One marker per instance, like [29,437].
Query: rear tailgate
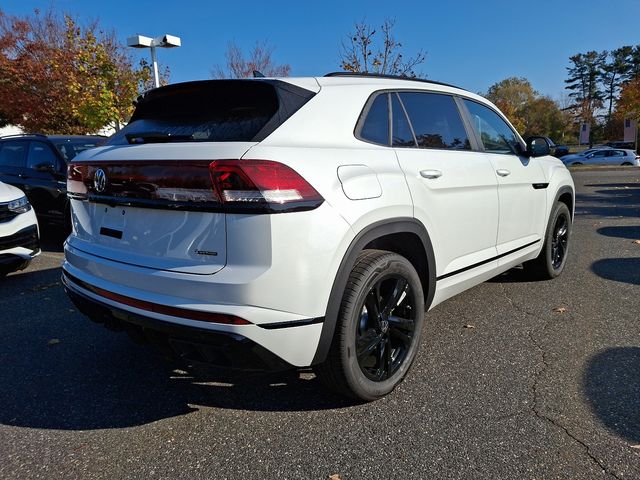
[137,219]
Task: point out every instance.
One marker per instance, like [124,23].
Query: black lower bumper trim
[185,343]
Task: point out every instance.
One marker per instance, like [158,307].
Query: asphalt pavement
[514,380]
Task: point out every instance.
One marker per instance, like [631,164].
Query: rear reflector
[156,308]
[257,186]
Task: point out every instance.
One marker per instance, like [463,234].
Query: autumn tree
[629,102]
[260,59]
[512,96]
[59,77]
[368,50]
[528,111]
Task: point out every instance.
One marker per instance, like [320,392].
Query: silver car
[603,156]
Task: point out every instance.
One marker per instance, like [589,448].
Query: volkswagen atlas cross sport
[296,222]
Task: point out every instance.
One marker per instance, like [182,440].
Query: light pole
[165,41]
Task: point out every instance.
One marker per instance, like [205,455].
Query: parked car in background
[37,164]
[19,235]
[296,222]
[603,156]
[560,151]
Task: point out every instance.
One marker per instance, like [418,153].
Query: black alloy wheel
[553,257]
[559,241]
[385,328]
[378,327]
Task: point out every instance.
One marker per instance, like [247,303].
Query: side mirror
[538,147]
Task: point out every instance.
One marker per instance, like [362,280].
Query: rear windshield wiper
[156,137]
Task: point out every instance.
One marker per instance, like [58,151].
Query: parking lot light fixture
[164,41]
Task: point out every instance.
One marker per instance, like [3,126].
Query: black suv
[37,164]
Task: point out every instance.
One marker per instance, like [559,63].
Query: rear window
[212,111]
[70,148]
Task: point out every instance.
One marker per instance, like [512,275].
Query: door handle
[430,174]
[503,172]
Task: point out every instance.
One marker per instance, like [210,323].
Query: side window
[401,130]
[436,121]
[600,153]
[376,126]
[495,134]
[41,156]
[12,153]
[617,153]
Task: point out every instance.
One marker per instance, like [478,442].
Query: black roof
[391,77]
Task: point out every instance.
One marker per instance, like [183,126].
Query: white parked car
[299,222]
[19,235]
[603,156]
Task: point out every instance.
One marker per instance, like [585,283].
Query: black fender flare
[365,236]
[562,190]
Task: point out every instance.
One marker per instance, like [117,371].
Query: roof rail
[392,77]
[24,135]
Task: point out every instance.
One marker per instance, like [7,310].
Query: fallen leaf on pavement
[335,476]
[560,309]
[635,446]
[637,242]
[53,341]
[469,326]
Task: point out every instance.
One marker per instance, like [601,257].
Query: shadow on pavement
[612,385]
[515,275]
[52,238]
[28,281]
[611,200]
[631,232]
[626,270]
[614,185]
[58,370]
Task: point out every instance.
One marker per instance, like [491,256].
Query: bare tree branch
[259,59]
[360,53]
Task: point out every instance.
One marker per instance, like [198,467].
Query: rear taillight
[262,184]
[258,186]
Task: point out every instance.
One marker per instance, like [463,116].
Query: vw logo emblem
[100,180]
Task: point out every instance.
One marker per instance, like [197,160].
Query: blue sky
[468,43]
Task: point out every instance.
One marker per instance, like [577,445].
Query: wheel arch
[566,195]
[407,237]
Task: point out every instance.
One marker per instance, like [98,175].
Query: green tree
[615,70]
[544,117]
[364,52]
[583,83]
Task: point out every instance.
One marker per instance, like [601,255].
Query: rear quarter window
[375,127]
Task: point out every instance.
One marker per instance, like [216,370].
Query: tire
[627,164]
[576,163]
[553,257]
[371,354]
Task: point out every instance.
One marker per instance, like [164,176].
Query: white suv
[299,222]
[19,235]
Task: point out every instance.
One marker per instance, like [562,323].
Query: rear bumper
[263,346]
[190,344]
